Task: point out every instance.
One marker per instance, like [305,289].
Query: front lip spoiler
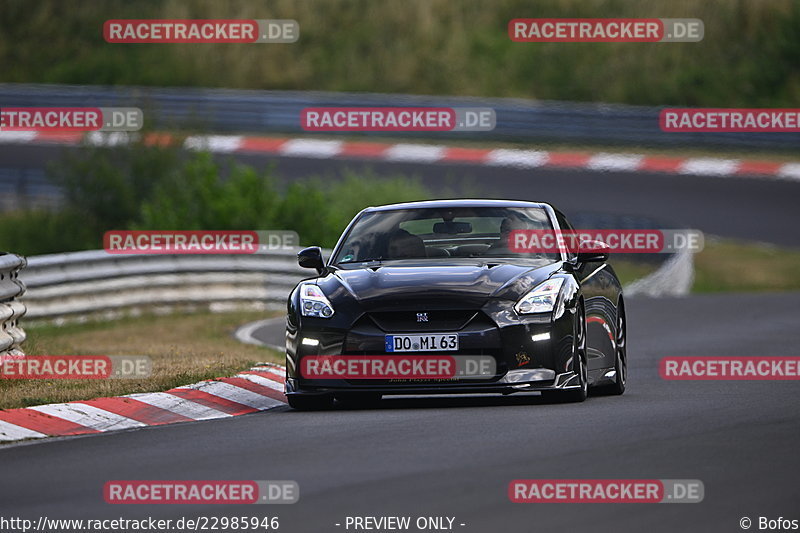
[565,381]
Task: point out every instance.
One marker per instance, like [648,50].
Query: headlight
[313,302]
[542,299]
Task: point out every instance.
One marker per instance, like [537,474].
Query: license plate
[430,342]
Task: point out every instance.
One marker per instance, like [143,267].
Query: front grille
[437,320]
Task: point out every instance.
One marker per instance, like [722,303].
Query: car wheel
[621,361]
[310,403]
[357,400]
[580,393]
[622,353]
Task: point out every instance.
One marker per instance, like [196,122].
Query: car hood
[456,285]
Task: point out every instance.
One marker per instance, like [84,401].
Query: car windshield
[439,233]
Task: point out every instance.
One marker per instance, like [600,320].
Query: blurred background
[578,99]
[222,148]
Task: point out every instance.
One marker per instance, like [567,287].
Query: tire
[621,361]
[579,354]
[358,400]
[310,403]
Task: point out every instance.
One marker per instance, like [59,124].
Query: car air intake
[437,320]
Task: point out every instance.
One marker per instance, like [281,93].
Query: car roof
[464,202]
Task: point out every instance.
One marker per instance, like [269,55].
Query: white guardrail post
[11,287]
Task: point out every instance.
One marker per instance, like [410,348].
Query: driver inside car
[403,245]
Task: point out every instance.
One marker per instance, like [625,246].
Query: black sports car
[440,278]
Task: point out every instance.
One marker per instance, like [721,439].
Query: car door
[600,292]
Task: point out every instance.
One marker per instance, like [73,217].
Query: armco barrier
[673,278]
[74,287]
[11,287]
[95,284]
[224,110]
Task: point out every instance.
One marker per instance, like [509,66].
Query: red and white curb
[257,389]
[426,153]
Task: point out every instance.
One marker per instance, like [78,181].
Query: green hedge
[157,188]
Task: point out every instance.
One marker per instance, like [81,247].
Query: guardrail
[221,110]
[673,278]
[78,286]
[11,287]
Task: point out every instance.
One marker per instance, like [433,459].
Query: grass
[726,265]
[183,348]
[732,266]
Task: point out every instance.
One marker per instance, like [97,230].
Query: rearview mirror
[311,258]
[452,228]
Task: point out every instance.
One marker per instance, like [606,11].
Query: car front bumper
[531,353]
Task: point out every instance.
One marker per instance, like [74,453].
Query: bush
[41,232]
[158,188]
[196,198]
[319,211]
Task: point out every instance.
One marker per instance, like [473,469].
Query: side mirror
[593,251]
[311,258]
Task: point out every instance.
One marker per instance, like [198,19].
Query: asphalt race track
[455,457]
[758,209]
